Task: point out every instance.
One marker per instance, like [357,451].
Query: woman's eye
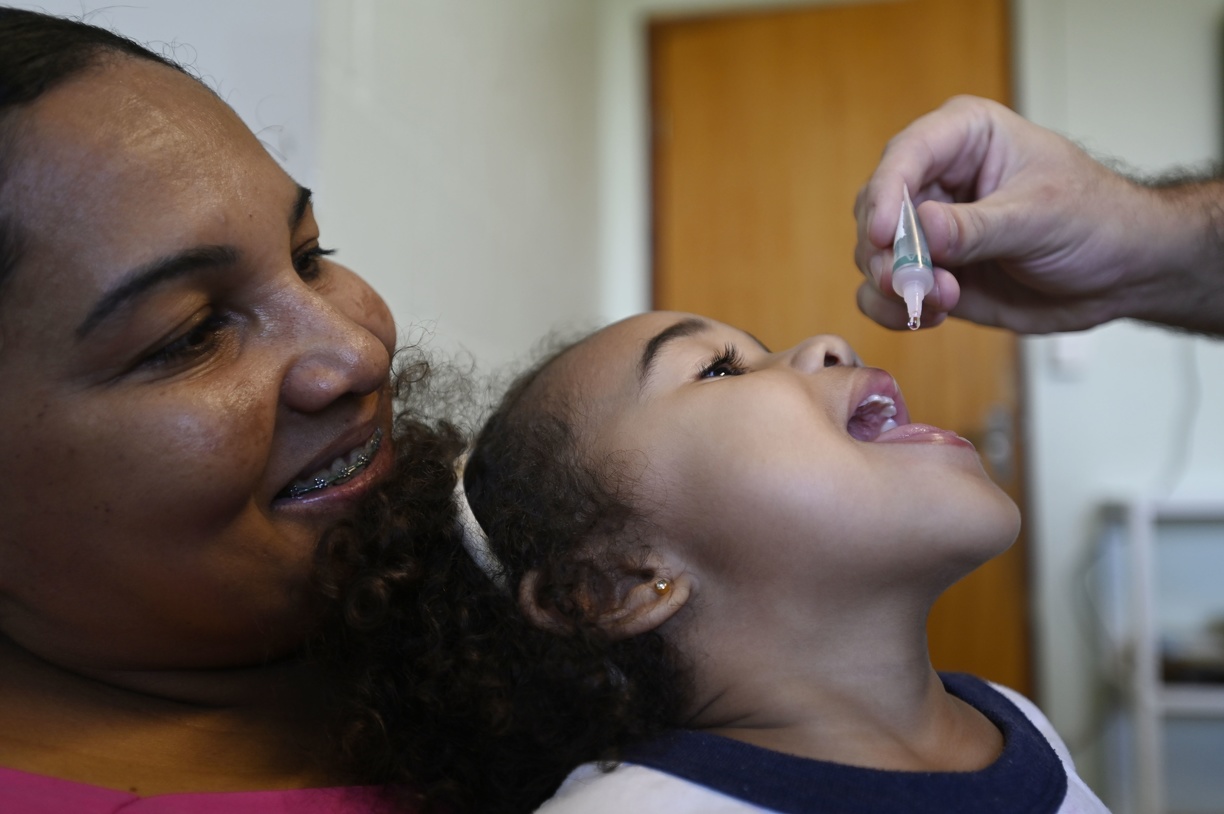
[200,340]
[306,263]
[727,363]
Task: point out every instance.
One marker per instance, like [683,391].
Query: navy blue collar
[1027,778]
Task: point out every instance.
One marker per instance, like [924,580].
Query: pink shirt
[25,793]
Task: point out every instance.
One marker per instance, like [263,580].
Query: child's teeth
[889,407]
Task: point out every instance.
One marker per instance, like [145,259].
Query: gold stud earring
[662,585]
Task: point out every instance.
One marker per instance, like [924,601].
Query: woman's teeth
[341,470]
[872,417]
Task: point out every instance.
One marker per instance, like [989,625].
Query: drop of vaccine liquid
[914,323]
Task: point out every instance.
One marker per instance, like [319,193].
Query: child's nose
[823,351]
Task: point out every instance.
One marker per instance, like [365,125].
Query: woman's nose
[335,356]
[823,351]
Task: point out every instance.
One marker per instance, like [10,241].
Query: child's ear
[646,603]
[645,598]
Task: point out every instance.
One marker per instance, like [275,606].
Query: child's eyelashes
[728,362]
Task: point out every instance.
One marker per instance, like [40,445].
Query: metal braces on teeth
[363,460]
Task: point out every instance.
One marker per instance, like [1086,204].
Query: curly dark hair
[457,701]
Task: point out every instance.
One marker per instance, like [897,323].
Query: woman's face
[182,373]
[775,467]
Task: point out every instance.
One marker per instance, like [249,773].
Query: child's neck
[862,694]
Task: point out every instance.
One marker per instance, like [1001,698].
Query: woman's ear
[645,598]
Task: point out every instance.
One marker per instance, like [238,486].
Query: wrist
[1176,277]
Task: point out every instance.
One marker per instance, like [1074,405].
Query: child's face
[741,452]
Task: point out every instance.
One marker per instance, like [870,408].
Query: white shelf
[1192,700]
[1148,524]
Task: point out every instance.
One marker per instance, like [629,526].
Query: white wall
[256,55]
[451,144]
[1111,411]
[458,162]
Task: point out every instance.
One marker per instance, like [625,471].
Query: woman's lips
[341,470]
[346,479]
[921,434]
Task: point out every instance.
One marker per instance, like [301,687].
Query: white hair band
[475,541]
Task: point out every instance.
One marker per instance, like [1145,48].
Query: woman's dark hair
[37,53]
[458,700]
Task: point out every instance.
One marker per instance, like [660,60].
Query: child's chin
[993,521]
[1006,528]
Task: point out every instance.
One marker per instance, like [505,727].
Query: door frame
[623,116]
[624,140]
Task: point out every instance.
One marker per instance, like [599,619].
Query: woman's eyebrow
[299,206]
[190,261]
[137,282]
[685,327]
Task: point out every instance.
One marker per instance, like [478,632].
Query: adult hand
[1028,232]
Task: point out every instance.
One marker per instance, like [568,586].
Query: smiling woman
[193,394]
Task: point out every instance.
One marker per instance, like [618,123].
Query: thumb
[961,234]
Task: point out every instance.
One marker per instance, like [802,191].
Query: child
[706,579]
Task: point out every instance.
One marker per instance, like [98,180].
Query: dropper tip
[913,292]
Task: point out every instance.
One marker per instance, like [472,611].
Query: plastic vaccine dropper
[913,277]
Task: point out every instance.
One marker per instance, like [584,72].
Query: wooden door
[764,127]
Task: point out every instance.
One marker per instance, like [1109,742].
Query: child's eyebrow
[685,327]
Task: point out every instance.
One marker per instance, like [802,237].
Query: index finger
[945,147]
